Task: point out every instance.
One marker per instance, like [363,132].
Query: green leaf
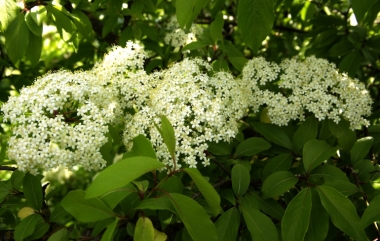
[328,173]
[113,197]
[282,162]
[227,225]
[207,190]
[194,217]
[344,187]
[307,131]
[8,12]
[161,203]
[219,149]
[315,152]
[120,174]
[296,219]
[58,214]
[278,183]
[109,24]
[172,185]
[5,190]
[319,220]
[32,25]
[343,47]
[240,178]
[143,147]
[346,137]
[33,191]
[60,235]
[34,49]
[361,7]
[39,231]
[168,135]
[38,14]
[351,63]
[342,212]
[17,38]
[255,21]
[363,169]
[273,134]
[65,26]
[252,146]
[372,213]
[27,226]
[187,10]
[17,178]
[270,207]
[236,58]
[361,149]
[216,27]
[220,64]
[144,230]
[85,210]
[194,45]
[259,225]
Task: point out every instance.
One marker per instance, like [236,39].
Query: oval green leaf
[278,183]
[307,131]
[315,152]
[120,174]
[252,146]
[27,226]
[273,134]
[144,230]
[282,162]
[227,225]
[361,149]
[240,178]
[33,191]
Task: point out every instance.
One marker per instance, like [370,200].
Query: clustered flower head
[312,86]
[201,107]
[177,37]
[60,120]
[63,118]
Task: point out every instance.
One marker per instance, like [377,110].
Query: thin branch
[6,168]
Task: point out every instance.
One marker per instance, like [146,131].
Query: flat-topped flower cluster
[63,118]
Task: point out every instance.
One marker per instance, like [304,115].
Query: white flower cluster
[309,86]
[176,37]
[60,120]
[63,118]
[200,107]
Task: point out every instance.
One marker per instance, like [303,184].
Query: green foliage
[311,180]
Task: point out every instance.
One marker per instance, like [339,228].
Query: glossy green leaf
[328,173]
[220,64]
[32,25]
[315,152]
[346,137]
[363,169]
[342,212]
[143,147]
[144,230]
[39,231]
[255,21]
[161,203]
[34,49]
[372,213]
[361,7]
[109,24]
[296,219]
[272,208]
[194,46]
[278,183]
[65,26]
[17,178]
[17,38]
[85,210]
[361,149]
[252,146]
[33,191]
[343,47]
[351,63]
[58,214]
[219,149]
[38,14]
[216,27]
[307,131]
[227,225]
[110,231]
[120,174]
[113,197]
[5,190]
[168,135]
[259,225]
[273,134]
[240,178]
[27,226]
[282,162]
[236,58]
[319,220]
[8,11]
[60,235]
[172,185]
[187,10]
[194,217]
[207,190]
[344,187]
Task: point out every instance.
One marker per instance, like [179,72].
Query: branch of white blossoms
[63,118]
